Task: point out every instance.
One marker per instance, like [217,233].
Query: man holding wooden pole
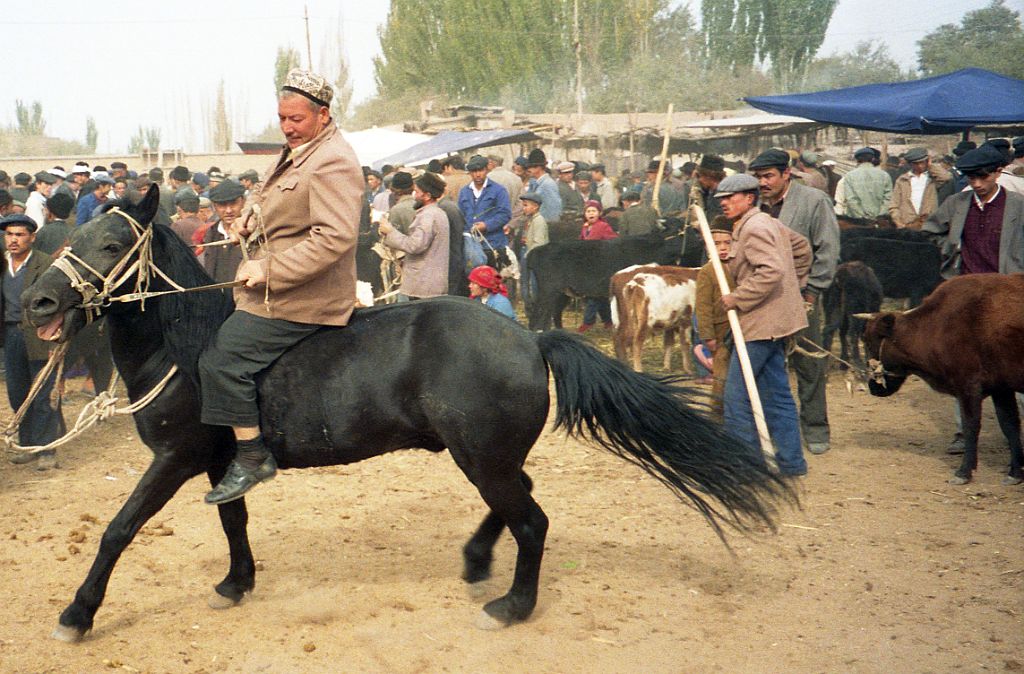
[771,263]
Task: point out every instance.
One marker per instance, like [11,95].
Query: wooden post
[661,161]
[309,47]
[737,335]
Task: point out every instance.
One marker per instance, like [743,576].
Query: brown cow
[647,298]
[967,340]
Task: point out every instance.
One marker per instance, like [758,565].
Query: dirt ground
[887,568]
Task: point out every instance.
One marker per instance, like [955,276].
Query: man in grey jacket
[808,212]
[425,268]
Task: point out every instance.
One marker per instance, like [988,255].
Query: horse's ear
[150,203]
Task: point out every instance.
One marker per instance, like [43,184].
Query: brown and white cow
[650,298]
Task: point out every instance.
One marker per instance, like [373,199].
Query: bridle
[142,268]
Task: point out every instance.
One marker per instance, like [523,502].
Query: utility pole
[579,61]
[309,48]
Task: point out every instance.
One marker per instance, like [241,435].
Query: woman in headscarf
[485,286]
[595,228]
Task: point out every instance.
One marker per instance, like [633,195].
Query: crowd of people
[467,227]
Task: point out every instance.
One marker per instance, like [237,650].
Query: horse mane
[189,321]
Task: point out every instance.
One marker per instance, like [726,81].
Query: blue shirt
[501,304]
[491,207]
[551,208]
[86,205]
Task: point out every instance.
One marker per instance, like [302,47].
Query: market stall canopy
[371,145]
[935,105]
[449,142]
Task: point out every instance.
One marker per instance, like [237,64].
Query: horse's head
[95,259]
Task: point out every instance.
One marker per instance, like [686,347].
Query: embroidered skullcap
[314,87]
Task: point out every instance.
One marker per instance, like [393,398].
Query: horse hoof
[479,589]
[219,602]
[956,479]
[485,621]
[69,635]
[1010,481]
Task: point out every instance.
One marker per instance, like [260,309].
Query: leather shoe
[239,479]
[29,457]
[818,447]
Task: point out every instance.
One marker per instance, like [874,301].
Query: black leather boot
[253,464]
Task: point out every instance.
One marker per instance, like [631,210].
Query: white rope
[101,408]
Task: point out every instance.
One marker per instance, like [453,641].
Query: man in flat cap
[606,192]
[915,194]
[769,263]
[228,201]
[54,236]
[808,212]
[864,192]
[35,207]
[486,208]
[425,267]
[572,200]
[980,230]
[24,353]
[807,170]
[1007,180]
[89,202]
[303,224]
[249,179]
[20,190]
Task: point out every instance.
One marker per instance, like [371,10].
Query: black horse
[440,374]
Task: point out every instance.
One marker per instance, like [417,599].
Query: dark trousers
[42,423]
[811,381]
[245,345]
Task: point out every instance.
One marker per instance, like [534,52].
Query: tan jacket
[310,206]
[770,263]
[456,180]
[901,208]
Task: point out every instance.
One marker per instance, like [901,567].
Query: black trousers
[245,346]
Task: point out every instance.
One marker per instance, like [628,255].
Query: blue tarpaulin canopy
[448,142]
[935,105]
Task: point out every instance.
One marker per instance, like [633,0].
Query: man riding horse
[300,238]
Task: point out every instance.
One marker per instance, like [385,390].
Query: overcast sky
[159,64]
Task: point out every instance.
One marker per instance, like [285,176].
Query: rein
[104,405]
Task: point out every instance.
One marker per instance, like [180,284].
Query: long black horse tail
[650,422]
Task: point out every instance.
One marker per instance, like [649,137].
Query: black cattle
[565,269]
[906,263]
[855,289]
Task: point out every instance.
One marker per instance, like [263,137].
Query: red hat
[592,202]
[487,277]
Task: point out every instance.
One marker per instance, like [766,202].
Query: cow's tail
[653,423]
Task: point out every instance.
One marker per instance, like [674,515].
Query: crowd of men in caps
[777,214]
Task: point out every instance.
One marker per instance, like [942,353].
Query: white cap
[78,168]
[828,162]
[57,172]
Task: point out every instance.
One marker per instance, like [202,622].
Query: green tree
[30,119]
[221,125]
[91,134]
[287,58]
[990,38]
[866,63]
[784,33]
[146,138]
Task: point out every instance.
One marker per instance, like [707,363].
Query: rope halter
[142,267]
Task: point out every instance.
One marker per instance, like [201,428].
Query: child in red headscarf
[485,285]
[595,228]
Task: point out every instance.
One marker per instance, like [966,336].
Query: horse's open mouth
[51,332]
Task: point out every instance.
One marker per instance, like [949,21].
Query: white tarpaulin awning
[373,144]
[750,120]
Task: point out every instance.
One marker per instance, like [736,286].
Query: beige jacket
[310,206]
[425,267]
[901,208]
[770,263]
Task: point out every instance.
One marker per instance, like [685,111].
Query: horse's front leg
[159,483]
[241,577]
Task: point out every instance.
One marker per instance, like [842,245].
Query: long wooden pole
[737,336]
[661,160]
[309,45]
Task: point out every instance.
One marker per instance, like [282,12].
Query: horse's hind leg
[478,553]
[510,501]
[1009,422]
[241,577]
[159,483]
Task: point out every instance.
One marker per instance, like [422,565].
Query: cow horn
[864,317]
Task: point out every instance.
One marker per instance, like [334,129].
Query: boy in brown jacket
[712,318]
